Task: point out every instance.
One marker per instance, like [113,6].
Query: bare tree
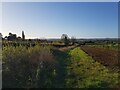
[65,39]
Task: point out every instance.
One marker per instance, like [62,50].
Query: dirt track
[108,58]
[66,48]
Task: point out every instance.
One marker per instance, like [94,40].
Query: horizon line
[77,38]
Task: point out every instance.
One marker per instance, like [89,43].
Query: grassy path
[61,73]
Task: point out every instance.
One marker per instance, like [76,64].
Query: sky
[52,19]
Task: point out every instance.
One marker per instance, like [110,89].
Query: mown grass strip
[84,72]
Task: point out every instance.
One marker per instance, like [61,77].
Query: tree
[6,37]
[10,34]
[23,36]
[65,39]
[1,35]
[73,40]
[12,37]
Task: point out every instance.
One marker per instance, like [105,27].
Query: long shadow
[61,58]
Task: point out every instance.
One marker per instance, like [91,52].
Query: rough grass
[45,67]
[27,67]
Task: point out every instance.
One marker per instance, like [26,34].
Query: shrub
[26,67]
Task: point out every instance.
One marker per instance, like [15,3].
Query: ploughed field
[107,57]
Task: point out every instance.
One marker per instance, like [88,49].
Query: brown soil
[108,58]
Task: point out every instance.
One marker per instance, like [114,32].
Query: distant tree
[10,34]
[1,35]
[12,37]
[19,38]
[73,40]
[5,37]
[65,39]
[23,35]
[29,40]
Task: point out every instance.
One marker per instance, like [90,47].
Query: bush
[27,67]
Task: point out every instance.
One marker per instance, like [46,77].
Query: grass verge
[84,72]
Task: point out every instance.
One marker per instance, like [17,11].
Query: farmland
[88,73]
[51,66]
[59,45]
[109,46]
[108,58]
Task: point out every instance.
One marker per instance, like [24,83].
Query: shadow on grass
[61,58]
[29,75]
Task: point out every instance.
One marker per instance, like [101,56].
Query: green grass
[61,73]
[84,72]
[48,67]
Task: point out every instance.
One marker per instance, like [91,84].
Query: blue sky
[51,20]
